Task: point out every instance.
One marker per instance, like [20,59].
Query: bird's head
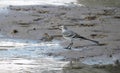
[62,27]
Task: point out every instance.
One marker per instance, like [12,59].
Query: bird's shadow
[102,44]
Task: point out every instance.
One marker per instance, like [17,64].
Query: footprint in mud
[116,17]
[103,44]
[42,11]
[90,18]
[98,35]
[87,25]
[38,19]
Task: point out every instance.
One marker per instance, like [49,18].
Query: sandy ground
[31,22]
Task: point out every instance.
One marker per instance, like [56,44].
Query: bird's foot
[68,48]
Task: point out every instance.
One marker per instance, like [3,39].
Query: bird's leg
[70,45]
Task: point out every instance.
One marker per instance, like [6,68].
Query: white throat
[63,29]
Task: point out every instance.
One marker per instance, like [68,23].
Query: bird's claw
[68,48]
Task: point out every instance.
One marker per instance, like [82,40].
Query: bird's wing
[72,34]
[69,33]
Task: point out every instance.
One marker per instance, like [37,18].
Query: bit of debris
[34,28]
[15,31]
[117,17]
[90,17]
[86,25]
[46,37]
[23,23]
[117,62]
[37,19]
[110,55]
[25,9]
[98,35]
[42,11]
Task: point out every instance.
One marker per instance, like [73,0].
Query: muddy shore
[33,21]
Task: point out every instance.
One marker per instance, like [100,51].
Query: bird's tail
[93,41]
[90,40]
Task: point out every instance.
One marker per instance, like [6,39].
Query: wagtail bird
[71,35]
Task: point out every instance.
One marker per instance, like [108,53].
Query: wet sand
[31,22]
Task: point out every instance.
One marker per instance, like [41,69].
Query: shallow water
[61,2]
[12,48]
[34,2]
[18,55]
[5,3]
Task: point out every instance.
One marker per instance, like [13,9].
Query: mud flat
[33,21]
